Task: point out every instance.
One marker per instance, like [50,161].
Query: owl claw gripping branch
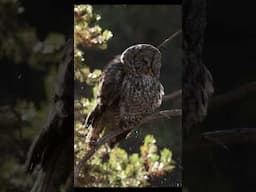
[129,90]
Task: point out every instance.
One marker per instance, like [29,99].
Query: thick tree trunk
[53,150]
[197,80]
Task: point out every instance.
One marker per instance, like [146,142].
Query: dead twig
[169,39]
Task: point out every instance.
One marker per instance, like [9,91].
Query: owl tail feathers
[93,116]
[119,138]
[93,122]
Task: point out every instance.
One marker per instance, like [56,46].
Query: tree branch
[228,136]
[172,95]
[231,135]
[233,96]
[223,99]
[169,39]
[222,138]
[158,115]
[162,114]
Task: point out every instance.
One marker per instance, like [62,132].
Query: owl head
[142,59]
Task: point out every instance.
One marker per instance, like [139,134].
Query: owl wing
[109,90]
[110,84]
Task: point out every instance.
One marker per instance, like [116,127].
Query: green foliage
[20,42]
[115,168]
[21,120]
[128,170]
[87,34]
[20,124]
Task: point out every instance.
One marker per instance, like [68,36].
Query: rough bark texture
[197,80]
[224,159]
[52,150]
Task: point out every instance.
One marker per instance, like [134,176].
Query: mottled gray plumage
[129,90]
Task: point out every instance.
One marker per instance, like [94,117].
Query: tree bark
[53,149]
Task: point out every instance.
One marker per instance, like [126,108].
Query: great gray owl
[129,90]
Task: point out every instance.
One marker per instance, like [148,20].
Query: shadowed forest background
[227,162]
[32,36]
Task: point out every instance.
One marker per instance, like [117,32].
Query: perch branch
[162,114]
[172,95]
[169,39]
[110,136]
[158,115]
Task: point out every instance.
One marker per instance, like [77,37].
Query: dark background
[229,53]
[26,90]
[45,17]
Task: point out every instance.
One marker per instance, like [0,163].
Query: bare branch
[172,95]
[232,135]
[163,114]
[221,138]
[169,39]
[234,95]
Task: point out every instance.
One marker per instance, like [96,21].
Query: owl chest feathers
[140,94]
